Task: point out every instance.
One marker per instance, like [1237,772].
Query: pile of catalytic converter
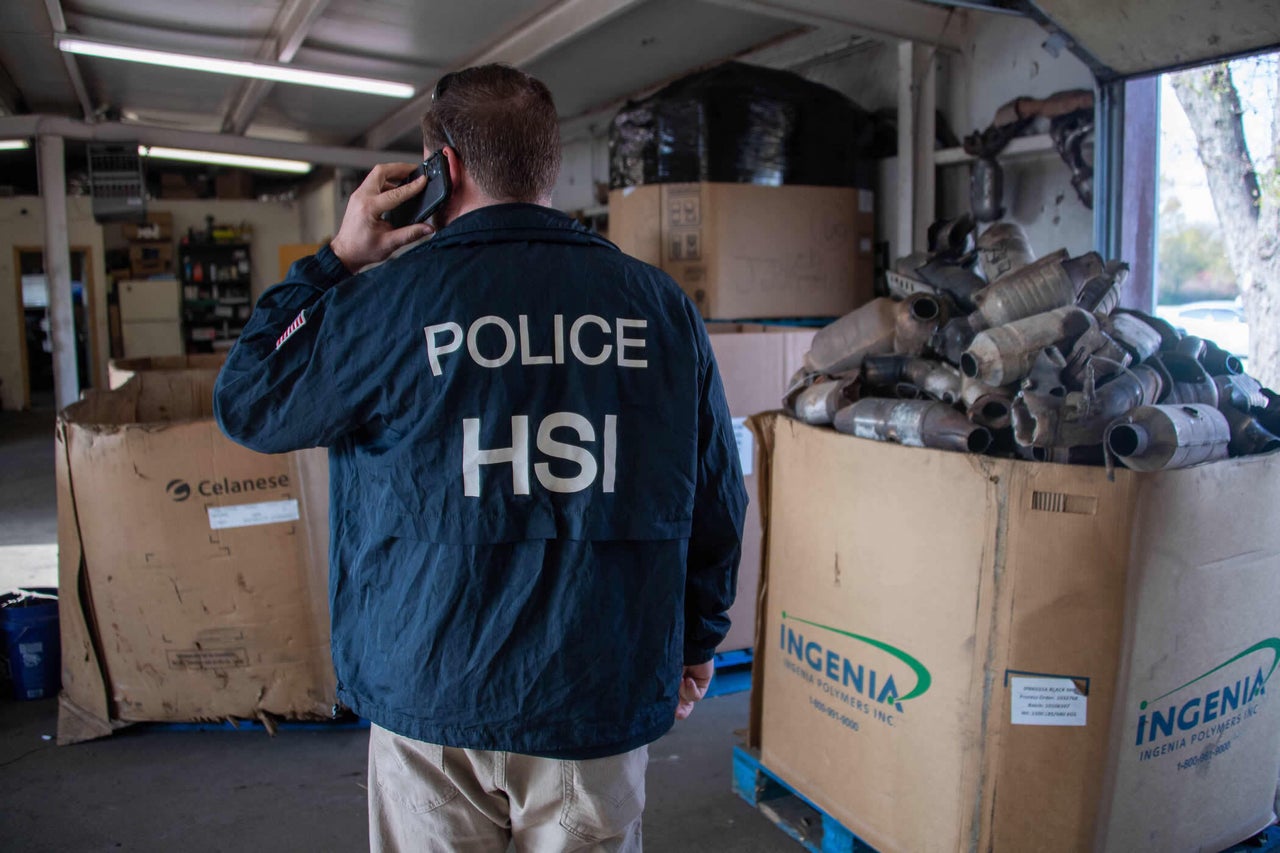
[983,348]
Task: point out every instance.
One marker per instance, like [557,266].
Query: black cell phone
[421,206]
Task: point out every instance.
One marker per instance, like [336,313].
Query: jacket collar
[500,223]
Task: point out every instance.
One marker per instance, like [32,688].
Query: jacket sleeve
[288,382]
[720,503]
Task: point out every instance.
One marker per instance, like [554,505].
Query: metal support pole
[1108,169]
[904,228]
[1141,181]
[57,270]
[917,177]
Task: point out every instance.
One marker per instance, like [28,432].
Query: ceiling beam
[11,101]
[29,126]
[289,30]
[536,37]
[59,23]
[905,20]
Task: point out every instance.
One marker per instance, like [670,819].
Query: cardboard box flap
[121,370]
[148,397]
[83,710]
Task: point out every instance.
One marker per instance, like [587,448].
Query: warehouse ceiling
[593,54]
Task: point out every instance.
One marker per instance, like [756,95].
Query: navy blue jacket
[537,504]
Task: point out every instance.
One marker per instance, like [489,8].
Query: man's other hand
[693,686]
[366,238]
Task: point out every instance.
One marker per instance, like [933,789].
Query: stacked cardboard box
[755,362]
[742,251]
[959,652]
[150,245]
[207,599]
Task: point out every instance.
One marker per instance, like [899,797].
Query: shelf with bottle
[217,298]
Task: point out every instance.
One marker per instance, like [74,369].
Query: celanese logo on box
[179,490]
[1176,721]
[850,689]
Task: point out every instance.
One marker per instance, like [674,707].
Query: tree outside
[1233,110]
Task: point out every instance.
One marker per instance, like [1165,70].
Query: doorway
[35,342]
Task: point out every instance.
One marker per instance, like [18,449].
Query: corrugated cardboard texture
[755,363]
[176,619]
[748,252]
[121,370]
[986,572]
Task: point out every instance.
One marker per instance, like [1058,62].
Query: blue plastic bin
[31,652]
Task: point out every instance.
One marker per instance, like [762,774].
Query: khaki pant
[426,797]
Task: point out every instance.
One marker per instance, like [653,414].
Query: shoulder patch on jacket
[298,323]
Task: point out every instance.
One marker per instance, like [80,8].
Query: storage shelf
[1023,146]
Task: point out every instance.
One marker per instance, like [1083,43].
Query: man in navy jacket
[537,504]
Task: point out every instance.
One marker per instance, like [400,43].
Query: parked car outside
[1220,321]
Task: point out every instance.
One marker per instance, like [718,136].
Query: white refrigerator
[150,317]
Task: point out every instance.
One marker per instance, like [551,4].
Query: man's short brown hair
[503,124]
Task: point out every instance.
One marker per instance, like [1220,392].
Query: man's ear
[456,172]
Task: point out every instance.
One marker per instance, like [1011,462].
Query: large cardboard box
[755,362]
[750,252]
[963,653]
[192,572]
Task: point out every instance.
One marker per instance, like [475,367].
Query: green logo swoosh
[923,679]
[1272,643]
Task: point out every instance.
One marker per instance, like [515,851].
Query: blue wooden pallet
[797,816]
[733,673]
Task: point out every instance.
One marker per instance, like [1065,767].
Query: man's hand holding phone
[366,238]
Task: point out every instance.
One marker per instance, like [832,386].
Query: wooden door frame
[90,317]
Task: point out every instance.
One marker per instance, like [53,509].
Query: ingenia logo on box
[853,687]
[179,490]
[1224,697]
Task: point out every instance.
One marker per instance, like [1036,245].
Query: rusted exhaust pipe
[933,378]
[1084,267]
[1101,293]
[1188,381]
[819,403]
[959,282]
[919,317]
[1216,360]
[1157,438]
[1003,248]
[1095,351]
[987,405]
[1138,338]
[841,346]
[1034,289]
[915,423]
[986,189]
[1248,435]
[1082,418]
[1006,353]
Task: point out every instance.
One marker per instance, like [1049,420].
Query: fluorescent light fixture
[243,161]
[238,68]
[14,144]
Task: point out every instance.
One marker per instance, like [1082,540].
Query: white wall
[22,225]
[320,212]
[1004,58]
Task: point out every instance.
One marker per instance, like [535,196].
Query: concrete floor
[154,788]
